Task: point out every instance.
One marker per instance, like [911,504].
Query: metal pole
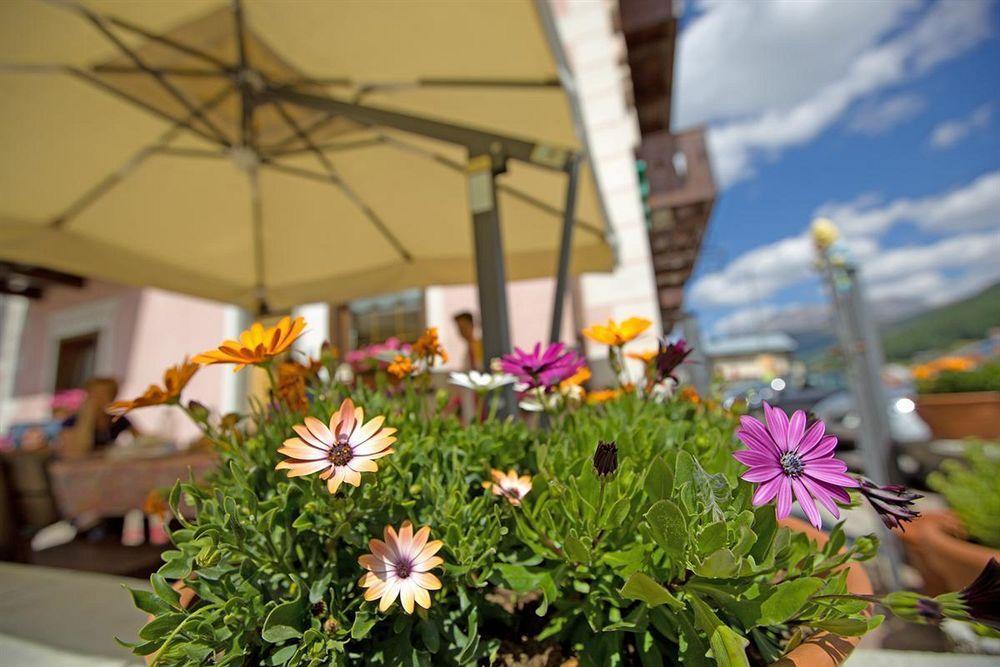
[565,248]
[862,353]
[491,275]
[701,370]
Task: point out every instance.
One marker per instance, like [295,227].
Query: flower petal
[422,597]
[784,498]
[762,473]
[319,430]
[807,503]
[299,468]
[389,595]
[821,449]
[428,564]
[752,457]
[820,491]
[777,425]
[426,580]
[767,491]
[796,428]
[406,595]
[335,480]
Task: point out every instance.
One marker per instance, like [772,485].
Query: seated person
[92,428]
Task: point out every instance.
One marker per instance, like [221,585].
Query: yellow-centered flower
[615,334]
[256,345]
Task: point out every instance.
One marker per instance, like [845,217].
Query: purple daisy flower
[540,368]
[669,356]
[787,459]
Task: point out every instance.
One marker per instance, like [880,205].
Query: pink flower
[785,458]
[542,368]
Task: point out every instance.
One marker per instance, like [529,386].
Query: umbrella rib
[334,146]
[192,72]
[99,23]
[246,103]
[348,191]
[128,167]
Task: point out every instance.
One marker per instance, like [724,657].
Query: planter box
[935,545]
[962,415]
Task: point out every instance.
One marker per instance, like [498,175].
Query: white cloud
[772,75]
[898,282]
[970,207]
[971,252]
[949,133]
[766,270]
[787,318]
[878,118]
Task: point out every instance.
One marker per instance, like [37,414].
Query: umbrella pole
[565,248]
[491,278]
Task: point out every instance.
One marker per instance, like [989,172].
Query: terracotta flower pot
[962,415]
[824,649]
[936,545]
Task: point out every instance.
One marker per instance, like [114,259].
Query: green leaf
[283,654]
[659,479]
[642,587]
[712,537]
[430,635]
[845,627]
[161,626]
[668,528]
[787,599]
[719,565]
[165,591]
[147,601]
[577,550]
[284,622]
[362,624]
[729,648]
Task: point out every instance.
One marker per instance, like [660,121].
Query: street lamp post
[862,351]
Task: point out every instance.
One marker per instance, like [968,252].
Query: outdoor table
[61,618]
[110,486]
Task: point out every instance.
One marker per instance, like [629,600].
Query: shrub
[983,378]
[972,491]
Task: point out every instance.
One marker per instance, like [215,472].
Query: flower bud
[198,411]
[606,459]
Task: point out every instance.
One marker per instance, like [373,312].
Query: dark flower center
[403,569]
[791,464]
[340,454]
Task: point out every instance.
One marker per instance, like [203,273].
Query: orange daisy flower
[645,356]
[343,450]
[576,379]
[398,567]
[510,486]
[256,345]
[401,367]
[615,334]
[603,396]
[428,346]
[175,379]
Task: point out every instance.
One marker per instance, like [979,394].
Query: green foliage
[941,328]
[972,491]
[665,562]
[983,378]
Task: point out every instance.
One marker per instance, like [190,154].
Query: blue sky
[884,116]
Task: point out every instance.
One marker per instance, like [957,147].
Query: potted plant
[363,529]
[950,547]
[958,399]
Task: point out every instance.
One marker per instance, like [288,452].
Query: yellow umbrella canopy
[269,153]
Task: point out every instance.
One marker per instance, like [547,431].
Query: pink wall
[152,329]
[35,362]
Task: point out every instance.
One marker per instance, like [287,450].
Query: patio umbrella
[269,153]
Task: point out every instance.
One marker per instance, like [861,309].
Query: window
[400,315]
[76,360]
